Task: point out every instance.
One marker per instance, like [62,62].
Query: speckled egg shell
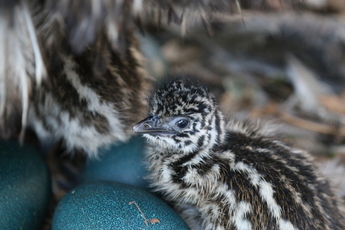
[25,186]
[111,205]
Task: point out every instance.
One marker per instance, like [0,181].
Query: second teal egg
[121,163]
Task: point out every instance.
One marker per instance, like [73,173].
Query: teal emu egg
[113,205]
[25,187]
[121,163]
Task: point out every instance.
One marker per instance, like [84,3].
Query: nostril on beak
[147,126]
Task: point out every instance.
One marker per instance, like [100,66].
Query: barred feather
[22,66]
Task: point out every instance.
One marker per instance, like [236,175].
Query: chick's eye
[183,123]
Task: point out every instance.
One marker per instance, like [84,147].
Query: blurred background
[279,62]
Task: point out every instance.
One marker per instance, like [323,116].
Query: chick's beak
[152,125]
